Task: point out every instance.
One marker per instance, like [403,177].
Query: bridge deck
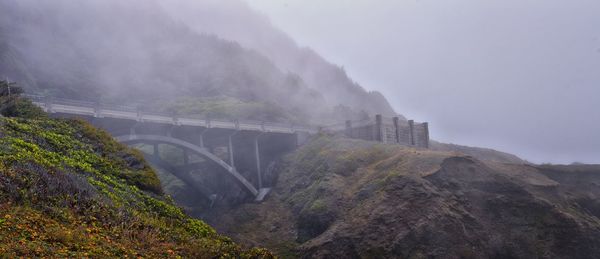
[130,113]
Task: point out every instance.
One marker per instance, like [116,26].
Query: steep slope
[11,62]
[69,190]
[235,20]
[135,52]
[485,154]
[346,198]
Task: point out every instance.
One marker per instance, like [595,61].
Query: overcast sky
[520,76]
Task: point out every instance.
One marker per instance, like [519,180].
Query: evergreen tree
[8,89]
[13,105]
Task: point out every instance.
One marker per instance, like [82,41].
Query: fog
[518,76]
[165,53]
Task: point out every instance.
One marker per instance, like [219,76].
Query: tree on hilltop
[13,105]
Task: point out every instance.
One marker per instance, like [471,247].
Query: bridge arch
[160,164]
[132,139]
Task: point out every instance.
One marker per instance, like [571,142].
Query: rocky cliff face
[345,198]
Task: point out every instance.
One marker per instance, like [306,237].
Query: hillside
[348,199]
[69,190]
[484,154]
[135,52]
[235,20]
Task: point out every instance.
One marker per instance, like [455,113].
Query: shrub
[69,190]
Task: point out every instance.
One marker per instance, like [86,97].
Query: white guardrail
[57,105]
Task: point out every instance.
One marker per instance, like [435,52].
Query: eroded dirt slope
[350,199]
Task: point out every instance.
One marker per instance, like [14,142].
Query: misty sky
[520,76]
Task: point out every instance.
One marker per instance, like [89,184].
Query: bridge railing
[342,125]
[128,108]
[378,129]
[139,113]
[88,104]
[335,127]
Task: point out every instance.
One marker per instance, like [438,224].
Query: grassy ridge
[68,189]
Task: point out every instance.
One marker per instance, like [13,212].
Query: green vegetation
[260,82]
[328,183]
[321,167]
[12,105]
[232,108]
[345,198]
[68,189]
[324,160]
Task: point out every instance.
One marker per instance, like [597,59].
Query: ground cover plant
[68,189]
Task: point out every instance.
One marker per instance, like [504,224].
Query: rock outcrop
[352,199]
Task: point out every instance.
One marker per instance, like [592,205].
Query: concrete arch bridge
[239,150]
[236,149]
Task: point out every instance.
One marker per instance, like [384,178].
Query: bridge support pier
[396,121]
[411,132]
[348,130]
[48,105]
[379,134]
[230,149]
[170,131]
[426,128]
[155,151]
[97,110]
[186,157]
[257,156]
[132,129]
[202,137]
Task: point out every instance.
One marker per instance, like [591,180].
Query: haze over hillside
[235,20]
[172,55]
[516,75]
[136,52]
[93,178]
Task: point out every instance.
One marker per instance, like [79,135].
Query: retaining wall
[390,130]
